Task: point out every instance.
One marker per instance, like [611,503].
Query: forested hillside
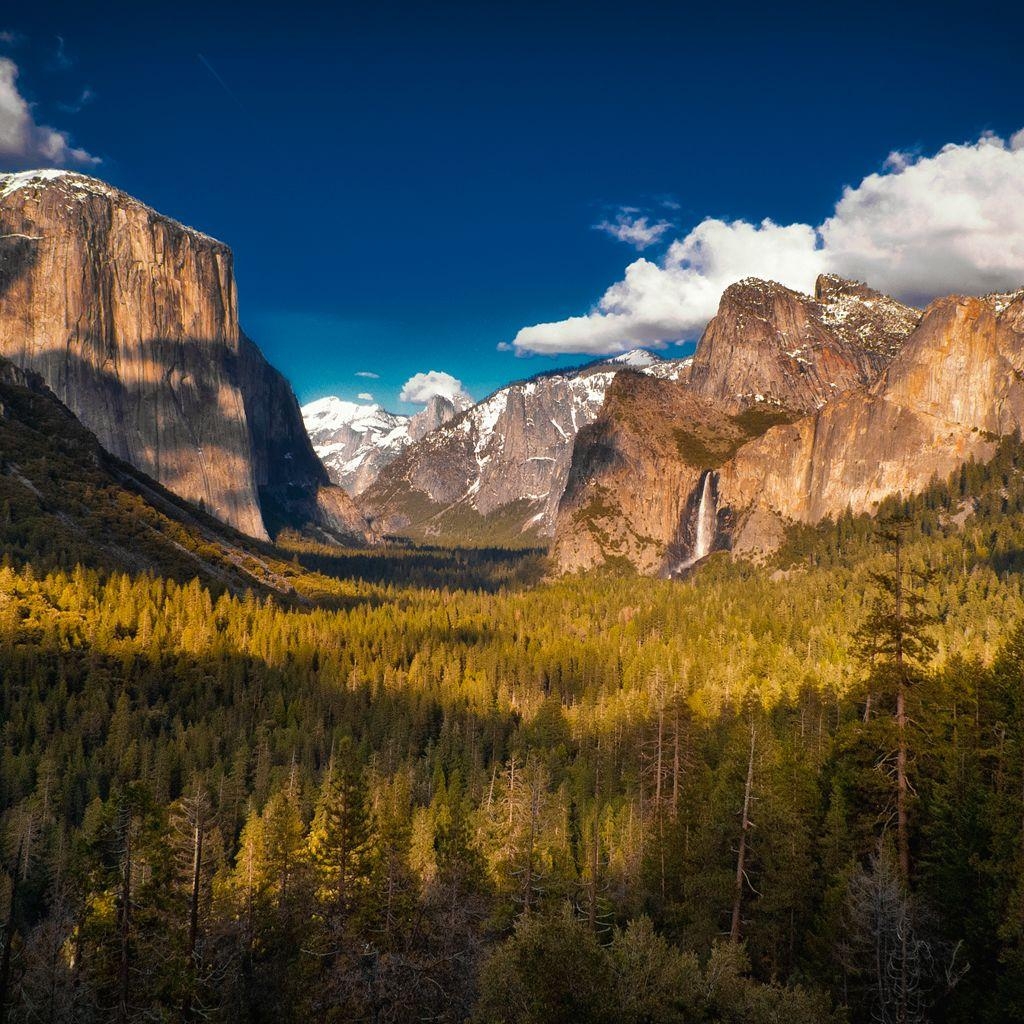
[438,788]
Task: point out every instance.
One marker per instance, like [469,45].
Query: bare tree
[895,968]
[741,853]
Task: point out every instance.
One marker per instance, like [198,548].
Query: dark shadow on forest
[484,569]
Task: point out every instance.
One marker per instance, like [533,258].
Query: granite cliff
[131,319]
[770,356]
[957,385]
[769,344]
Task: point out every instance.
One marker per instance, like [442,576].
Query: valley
[651,689]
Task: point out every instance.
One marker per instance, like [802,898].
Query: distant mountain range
[793,407]
[357,440]
[495,472]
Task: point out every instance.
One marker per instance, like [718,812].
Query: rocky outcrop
[635,483]
[628,484]
[436,413]
[132,320]
[771,345]
[957,385]
[769,356]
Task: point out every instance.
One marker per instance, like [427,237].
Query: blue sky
[407,186]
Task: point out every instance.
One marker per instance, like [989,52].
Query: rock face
[770,356]
[954,388]
[630,479]
[497,471]
[437,412]
[132,320]
[356,441]
[67,497]
[769,344]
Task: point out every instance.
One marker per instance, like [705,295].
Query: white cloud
[924,226]
[638,232]
[953,222]
[661,302]
[60,56]
[23,142]
[421,387]
[365,396]
[85,97]
[368,373]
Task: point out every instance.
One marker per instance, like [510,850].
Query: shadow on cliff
[242,455]
[18,255]
[68,501]
[594,454]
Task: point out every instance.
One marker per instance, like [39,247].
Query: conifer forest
[440,785]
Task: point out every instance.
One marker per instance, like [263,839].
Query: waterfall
[707,516]
[707,523]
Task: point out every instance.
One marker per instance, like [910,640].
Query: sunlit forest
[441,786]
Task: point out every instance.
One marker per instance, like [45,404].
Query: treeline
[596,799]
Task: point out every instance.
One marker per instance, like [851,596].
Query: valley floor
[429,785]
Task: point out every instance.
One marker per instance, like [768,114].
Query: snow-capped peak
[329,414]
[355,440]
[635,357]
[76,187]
[22,179]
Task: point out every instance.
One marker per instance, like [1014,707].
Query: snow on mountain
[534,420]
[356,440]
[508,456]
[637,358]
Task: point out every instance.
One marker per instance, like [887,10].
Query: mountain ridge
[499,467]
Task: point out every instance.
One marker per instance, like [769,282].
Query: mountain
[771,344]
[639,474]
[355,441]
[496,472]
[954,389]
[131,318]
[628,496]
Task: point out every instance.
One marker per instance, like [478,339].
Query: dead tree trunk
[5,960]
[125,924]
[741,853]
[902,787]
[193,910]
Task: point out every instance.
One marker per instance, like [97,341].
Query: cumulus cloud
[365,396]
[922,226]
[25,143]
[422,387]
[636,231]
[368,373]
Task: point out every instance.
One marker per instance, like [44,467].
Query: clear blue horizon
[406,188]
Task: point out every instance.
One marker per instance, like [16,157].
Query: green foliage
[553,971]
[419,761]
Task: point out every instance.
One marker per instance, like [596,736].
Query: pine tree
[339,838]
